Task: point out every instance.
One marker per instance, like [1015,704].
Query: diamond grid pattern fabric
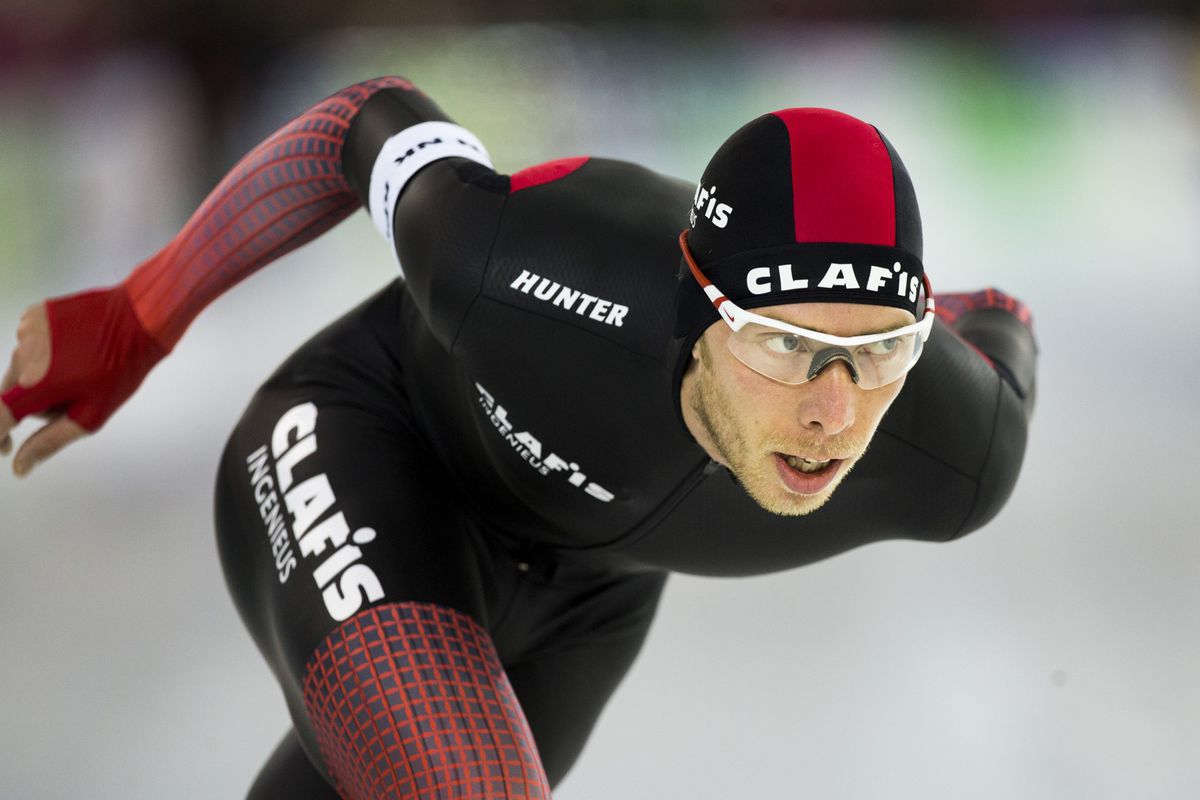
[283,193]
[409,700]
[950,306]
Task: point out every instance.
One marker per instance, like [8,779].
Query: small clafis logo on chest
[529,447]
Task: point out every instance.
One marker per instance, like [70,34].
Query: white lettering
[345,599]
[566,298]
[287,569]
[268,505]
[599,310]
[599,492]
[330,567]
[308,502]
[262,489]
[302,419]
[501,415]
[758,280]
[781,278]
[332,531]
[485,396]
[787,282]
[530,448]
[299,451]
[272,519]
[530,441]
[524,282]
[546,289]
[879,276]
[587,301]
[278,527]
[839,275]
[278,548]
[705,200]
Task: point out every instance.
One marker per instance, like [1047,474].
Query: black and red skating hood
[802,189]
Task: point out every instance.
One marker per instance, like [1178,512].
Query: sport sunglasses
[793,355]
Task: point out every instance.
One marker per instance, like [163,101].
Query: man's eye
[881,348]
[784,343]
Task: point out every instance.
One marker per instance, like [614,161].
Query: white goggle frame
[737,318]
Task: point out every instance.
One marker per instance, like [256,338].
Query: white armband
[405,153]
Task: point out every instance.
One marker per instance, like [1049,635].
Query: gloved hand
[1001,328]
[77,359]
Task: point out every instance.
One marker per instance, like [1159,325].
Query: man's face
[762,430]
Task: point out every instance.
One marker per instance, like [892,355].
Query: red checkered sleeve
[285,192]
[409,702]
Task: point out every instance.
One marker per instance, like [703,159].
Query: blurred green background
[1055,150]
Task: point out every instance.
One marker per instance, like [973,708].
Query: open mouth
[802,475]
[806,465]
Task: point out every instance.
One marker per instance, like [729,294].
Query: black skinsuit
[519,450]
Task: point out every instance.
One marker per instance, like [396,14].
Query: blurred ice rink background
[1052,655]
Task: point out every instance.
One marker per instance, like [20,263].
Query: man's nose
[829,399]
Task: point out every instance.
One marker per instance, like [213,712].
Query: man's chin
[786,504]
[773,494]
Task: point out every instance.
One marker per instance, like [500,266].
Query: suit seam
[570,324]
[483,273]
[986,457]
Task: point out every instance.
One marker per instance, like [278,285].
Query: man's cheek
[878,402]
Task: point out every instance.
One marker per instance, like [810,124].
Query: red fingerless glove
[99,355]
